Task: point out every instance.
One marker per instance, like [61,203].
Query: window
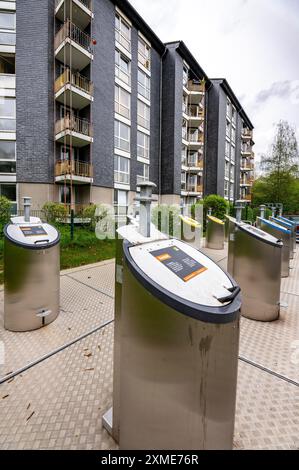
[144,53]
[233,154]
[232,172]
[7,63]
[142,145]
[185,76]
[121,170]
[185,104]
[184,155]
[7,150]
[122,102]
[7,20]
[184,130]
[226,171]
[143,114]
[121,136]
[234,115]
[7,167]
[227,128]
[65,194]
[228,108]
[231,191]
[193,158]
[7,28]
[145,174]
[7,114]
[66,155]
[122,32]
[122,67]
[183,181]
[144,85]
[227,149]
[233,136]
[226,189]
[9,191]
[121,201]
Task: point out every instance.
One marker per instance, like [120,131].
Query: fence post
[72,224]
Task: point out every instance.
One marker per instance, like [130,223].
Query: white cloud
[252,43]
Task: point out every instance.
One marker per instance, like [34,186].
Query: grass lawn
[84,249]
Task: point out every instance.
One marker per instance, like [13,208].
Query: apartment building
[183,125]
[8,101]
[229,157]
[102,104]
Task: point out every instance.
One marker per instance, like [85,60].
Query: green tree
[5,212]
[279,184]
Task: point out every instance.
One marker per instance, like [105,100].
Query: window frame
[118,139]
[123,39]
[118,172]
[143,89]
[118,91]
[144,121]
[145,153]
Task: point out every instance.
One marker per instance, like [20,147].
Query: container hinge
[43,313]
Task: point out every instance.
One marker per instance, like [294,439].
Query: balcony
[192,190]
[247,134]
[75,171]
[73,90]
[196,113]
[247,166]
[196,93]
[72,46]
[195,166]
[246,150]
[79,10]
[246,181]
[195,139]
[75,131]
[196,87]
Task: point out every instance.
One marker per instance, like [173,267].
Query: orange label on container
[195,273]
[163,257]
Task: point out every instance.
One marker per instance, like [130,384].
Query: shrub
[54,212]
[257,212]
[218,205]
[5,212]
[98,214]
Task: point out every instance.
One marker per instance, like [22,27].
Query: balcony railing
[75,79]
[122,74]
[71,31]
[75,167]
[74,124]
[195,137]
[197,164]
[122,39]
[199,87]
[86,3]
[197,188]
[246,165]
[195,112]
[246,133]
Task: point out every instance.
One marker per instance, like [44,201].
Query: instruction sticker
[33,231]
[179,262]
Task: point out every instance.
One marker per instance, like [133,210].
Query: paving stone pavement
[59,403]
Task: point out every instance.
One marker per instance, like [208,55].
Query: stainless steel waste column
[290,226]
[179,349]
[215,233]
[31,273]
[284,235]
[230,225]
[256,266]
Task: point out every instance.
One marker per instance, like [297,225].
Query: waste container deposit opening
[180,263]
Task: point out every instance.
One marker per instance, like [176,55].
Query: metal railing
[86,3]
[122,74]
[197,188]
[75,79]
[199,87]
[195,137]
[196,112]
[75,167]
[197,164]
[121,109]
[71,31]
[74,124]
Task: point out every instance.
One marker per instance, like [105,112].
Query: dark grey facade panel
[238,157]
[103,79]
[211,163]
[172,121]
[34,91]
[221,142]
[134,88]
[155,122]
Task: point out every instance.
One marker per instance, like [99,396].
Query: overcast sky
[252,43]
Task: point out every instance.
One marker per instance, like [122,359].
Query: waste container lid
[289,221]
[258,233]
[282,222]
[272,224]
[31,235]
[185,279]
[189,221]
[214,219]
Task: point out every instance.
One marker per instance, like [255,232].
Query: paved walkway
[59,402]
